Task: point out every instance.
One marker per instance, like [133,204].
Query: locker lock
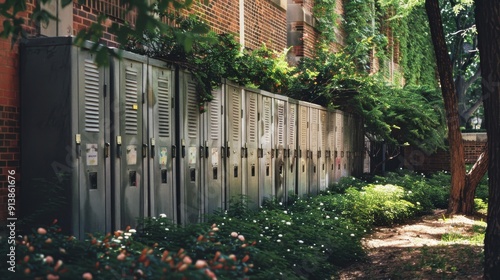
[118,146]
[144,150]
[106,149]
[153,144]
[78,141]
[183,148]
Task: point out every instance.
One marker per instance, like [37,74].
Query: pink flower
[41,231]
[234,234]
[87,276]
[49,259]
[200,264]
[241,237]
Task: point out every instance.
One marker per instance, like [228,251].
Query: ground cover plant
[305,238]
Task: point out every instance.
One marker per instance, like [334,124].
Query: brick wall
[221,15]
[10,111]
[440,160]
[265,22]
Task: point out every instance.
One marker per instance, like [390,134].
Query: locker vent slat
[92,76]
[323,129]
[314,130]
[267,120]
[215,121]
[292,125]
[252,119]
[281,122]
[131,105]
[235,115]
[192,111]
[163,108]
[303,127]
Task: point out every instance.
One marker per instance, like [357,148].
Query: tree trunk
[457,165]
[472,179]
[488,28]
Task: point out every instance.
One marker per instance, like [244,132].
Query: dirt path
[415,251]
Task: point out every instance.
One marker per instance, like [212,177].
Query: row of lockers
[132,142]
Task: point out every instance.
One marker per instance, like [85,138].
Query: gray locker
[330,159]
[313,149]
[232,151]
[65,129]
[213,174]
[129,139]
[280,147]
[161,131]
[265,132]
[190,203]
[292,152]
[253,152]
[322,149]
[303,149]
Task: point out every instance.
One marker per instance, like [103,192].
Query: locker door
[303,149]
[211,148]
[292,153]
[322,149]
[280,179]
[232,149]
[129,149]
[161,139]
[253,152]
[313,151]
[93,139]
[339,145]
[266,178]
[190,189]
[331,148]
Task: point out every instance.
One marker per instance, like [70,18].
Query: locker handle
[260,152]
[144,150]
[106,149]
[228,151]
[118,146]
[223,151]
[202,151]
[206,152]
[183,151]
[242,152]
[78,140]
[153,144]
[319,154]
[272,152]
[174,151]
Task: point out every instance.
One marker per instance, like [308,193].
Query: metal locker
[161,131]
[280,147]
[190,192]
[252,151]
[265,130]
[339,145]
[232,151]
[313,149]
[65,128]
[331,148]
[129,140]
[213,170]
[303,149]
[291,151]
[322,149]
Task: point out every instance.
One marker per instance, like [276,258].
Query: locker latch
[153,144]
[228,150]
[183,148]
[106,149]
[118,146]
[144,150]
[78,141]
[174,151]
[319,154]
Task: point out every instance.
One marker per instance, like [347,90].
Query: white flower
[163,215]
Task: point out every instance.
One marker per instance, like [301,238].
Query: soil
[415,251]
